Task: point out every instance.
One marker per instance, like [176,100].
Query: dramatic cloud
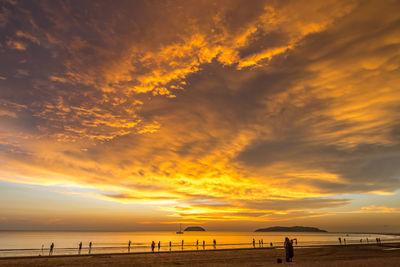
[261,110]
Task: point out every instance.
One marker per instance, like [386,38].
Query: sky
[233,115]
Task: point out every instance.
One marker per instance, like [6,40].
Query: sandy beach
[354,255]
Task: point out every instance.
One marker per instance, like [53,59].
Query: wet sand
[354,255]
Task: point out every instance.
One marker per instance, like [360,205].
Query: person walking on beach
[159,246]
[51,249]
[90,247]
[289,252]
[153,245]
[80,247]
[254,243]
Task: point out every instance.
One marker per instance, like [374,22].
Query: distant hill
[290,229]
[194,228]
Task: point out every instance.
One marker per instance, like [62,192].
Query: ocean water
[29,243]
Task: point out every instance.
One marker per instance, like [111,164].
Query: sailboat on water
[180,229]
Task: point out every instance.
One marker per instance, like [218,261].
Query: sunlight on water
[29,243]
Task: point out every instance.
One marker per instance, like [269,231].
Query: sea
[37,243]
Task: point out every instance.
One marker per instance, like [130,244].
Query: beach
[353,255]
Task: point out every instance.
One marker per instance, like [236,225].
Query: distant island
[194,228]
[290,229]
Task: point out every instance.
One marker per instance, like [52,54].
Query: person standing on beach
[289,252]
[262,243]
[159,246]
[254,243]
[170,245]
[204,244]
[80,247]
[182,243]
[129,246]
[340,240]
[153,245]
[344,240]
[215,243]
[197,244]
[90,247]
[51,249]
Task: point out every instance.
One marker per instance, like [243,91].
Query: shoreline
[383,245]
[351,255]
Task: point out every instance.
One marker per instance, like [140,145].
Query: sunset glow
[227,114]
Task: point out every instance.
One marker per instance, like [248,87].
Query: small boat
[180,229]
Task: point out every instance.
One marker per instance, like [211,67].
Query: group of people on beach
[378,240]
[260,243]
[51,249]
[288,246]
[153,244]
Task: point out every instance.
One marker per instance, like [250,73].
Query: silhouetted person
[197,243]
[129,246]
[289,252]
[90,247]
[361,240]
[182,244]
[80,247]
[204,244]
[159,245]
[271,244]
[340,240]
[295,241]
[42,249]
[259,242]
[215,243]
[344,240]
[367,240]
[262,243]
[153,245]
[51,249]
[254,243]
